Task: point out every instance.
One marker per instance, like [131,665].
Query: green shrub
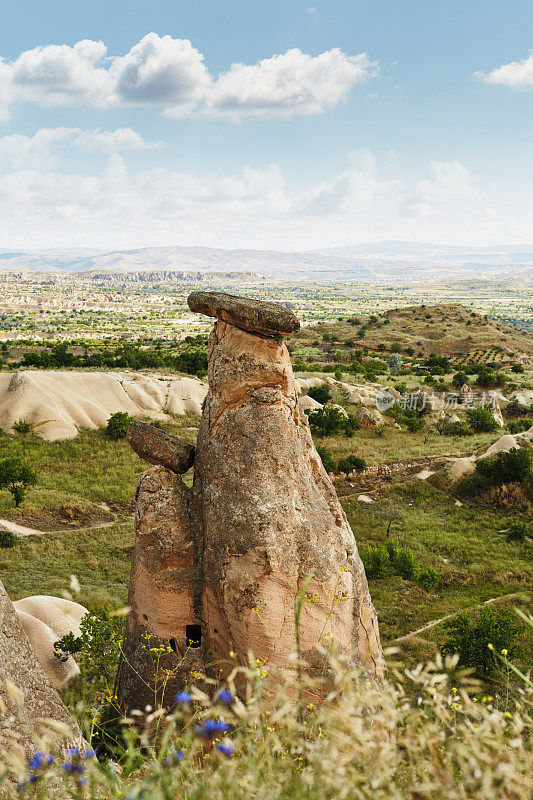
[329,421]
[519,425]
[471,637]
[97,649]
[446,428]
[429,578]
[459,379]
[7,539]
[510,467]
[326,457]
[322,394]
[517,532]
[517,368]
[515,409]
[481,420]
[117,425]
[376,561]
[471,485]
[351,463]
[16,477]
[21,426]
[406,563]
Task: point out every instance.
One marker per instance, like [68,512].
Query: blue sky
[287,125]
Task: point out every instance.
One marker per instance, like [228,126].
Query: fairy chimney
[215,575]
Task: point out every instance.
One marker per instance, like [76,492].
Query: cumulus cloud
[288,84]
[446,182]
[21,152]
[171,74]
[516,74]
[365,201]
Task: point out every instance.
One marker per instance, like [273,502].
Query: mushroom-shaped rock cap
[157,447]
[254,316]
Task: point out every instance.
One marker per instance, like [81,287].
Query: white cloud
[516,74]
[41,150]
[366,201]
[161,71]
[446,182]
[288,84]
[171,74]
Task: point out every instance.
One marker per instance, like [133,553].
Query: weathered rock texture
[156,660]
[19,666]
[158,447]
[255,316]
[216,570]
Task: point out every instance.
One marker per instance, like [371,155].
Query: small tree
[481,420]
[471,637]
[320,393]
[351,463]
[117,425]
[395,363]
[16,477]
[326,457]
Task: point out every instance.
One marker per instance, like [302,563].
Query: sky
[279,125]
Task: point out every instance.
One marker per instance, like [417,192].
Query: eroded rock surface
[255,316]
[216,571]
[163,585]
[19,665]
[267,516]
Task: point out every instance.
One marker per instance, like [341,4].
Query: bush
[429,579]
[326,457]
[376,561]
[452,428]
[16,477]
[471,637]
[519,425]
[97,649]
[329,421]
[351,463]
[21,426]
[406,563]
[517,368]
[506,467]
[395,363]
[459,379]
[322,394]
[481,420]
[7,539]
[471,485]
[517,532]
[117,425]
[515,409]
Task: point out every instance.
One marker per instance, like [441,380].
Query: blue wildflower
[178,755]
[89,753]
[73,751]
[224,696]
[225,749]
[210,728]
[183,697]
[37,760]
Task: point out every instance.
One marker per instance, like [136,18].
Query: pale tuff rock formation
[216,571]
[20,667]
[467,465]
[60,403]
[45,620]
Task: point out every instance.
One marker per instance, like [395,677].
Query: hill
[446,330]
[371,262]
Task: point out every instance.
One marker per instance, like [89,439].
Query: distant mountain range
[375,261]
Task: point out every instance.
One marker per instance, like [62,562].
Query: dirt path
[435,622]
[21,530]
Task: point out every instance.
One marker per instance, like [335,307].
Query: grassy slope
[91,469]
[450,330]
